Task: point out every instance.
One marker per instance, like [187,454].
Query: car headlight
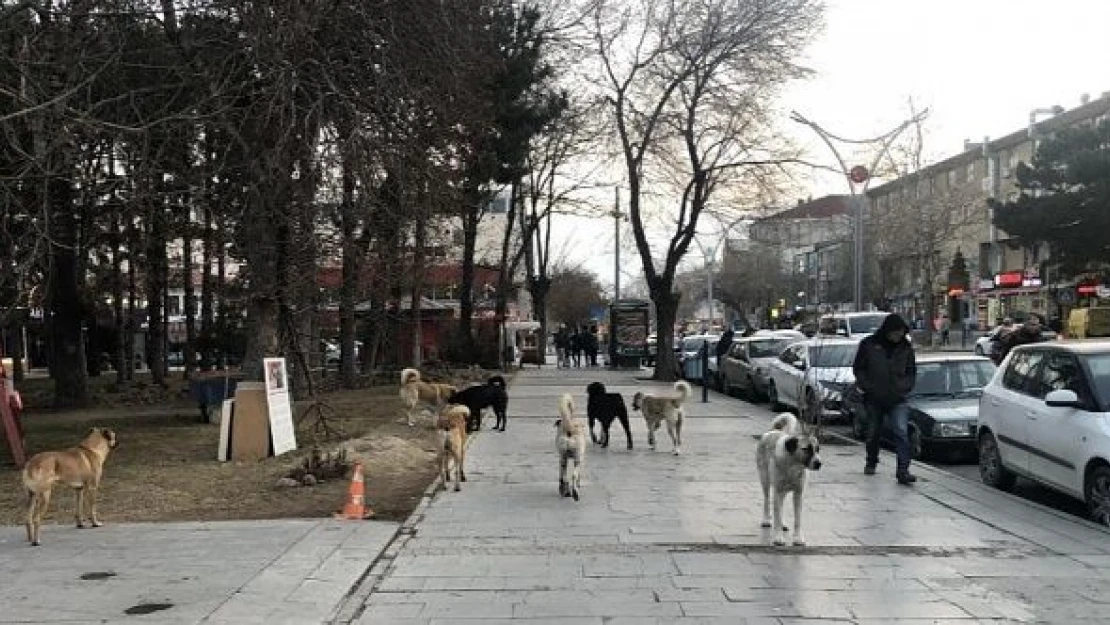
[952,428]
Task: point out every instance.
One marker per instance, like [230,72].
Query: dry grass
[165,467]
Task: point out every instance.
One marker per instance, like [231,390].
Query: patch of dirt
[165,468]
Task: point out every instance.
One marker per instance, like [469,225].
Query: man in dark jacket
[1029,332]
[723,345]
[885,372]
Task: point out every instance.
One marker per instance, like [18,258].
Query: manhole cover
[148,608]
[97,575]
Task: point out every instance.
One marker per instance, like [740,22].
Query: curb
[937,475]
[353,604]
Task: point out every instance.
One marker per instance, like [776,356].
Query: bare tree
[689,86]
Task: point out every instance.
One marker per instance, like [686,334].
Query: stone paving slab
[226,572]
[665,539]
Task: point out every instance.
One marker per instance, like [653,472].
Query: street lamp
[710,255]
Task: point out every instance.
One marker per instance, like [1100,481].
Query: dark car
[944,405]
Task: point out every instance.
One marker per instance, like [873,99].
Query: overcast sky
[980,66]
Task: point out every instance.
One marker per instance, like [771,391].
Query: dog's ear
[792,444]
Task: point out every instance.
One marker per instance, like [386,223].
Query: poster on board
[279,405]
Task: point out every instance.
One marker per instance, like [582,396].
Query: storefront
[1011,293]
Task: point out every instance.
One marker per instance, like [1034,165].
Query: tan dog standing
[453,423]
[570,442]
[80,467]
[416,392]
[658,409]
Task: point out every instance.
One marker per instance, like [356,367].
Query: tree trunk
[190,348]
[206,320]
[348,294]
[66,314]
[539,288]
[223,335]
[155,278]
[418,286]
[120,356]
[465,338]
[666,313]
[132,306]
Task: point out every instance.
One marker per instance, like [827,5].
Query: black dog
[605,407]
[492,394]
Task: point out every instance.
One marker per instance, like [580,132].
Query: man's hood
[893,321]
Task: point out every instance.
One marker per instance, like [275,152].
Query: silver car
[744,370]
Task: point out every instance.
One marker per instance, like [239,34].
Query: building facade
[917,223]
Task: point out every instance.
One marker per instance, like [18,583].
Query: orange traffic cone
[356,508]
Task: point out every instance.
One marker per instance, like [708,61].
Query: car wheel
[1097,493]
[773,396]
[990,464]
[979,350]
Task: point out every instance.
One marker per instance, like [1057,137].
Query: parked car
[855,325]
[744,370]
[652,349]
[1045,416]
[687,352]
[813,373]
[944,405]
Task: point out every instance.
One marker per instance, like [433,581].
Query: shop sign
[1088,289]
[1102,291]
[986,284]
[1009,279]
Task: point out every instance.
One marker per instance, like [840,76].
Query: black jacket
[885,372]
[724,343]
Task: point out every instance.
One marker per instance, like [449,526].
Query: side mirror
[1062,398]
[800,365]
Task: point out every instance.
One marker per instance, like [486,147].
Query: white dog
[784,457]
[570,441]
[657,409]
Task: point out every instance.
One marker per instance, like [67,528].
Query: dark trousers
[898,419]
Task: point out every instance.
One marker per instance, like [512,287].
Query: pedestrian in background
[945,330]
[561,346]
[576,346]
[1032,331]
[885,373]
[592,346]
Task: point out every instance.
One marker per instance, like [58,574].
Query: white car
[856,325]
[813,373]
[1045,416]
[983,343]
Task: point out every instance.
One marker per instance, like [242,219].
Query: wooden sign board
[280,407]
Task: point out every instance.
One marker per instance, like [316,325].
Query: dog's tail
[785,422]
[684,391]
[566,413]
[496,380]
[409,376]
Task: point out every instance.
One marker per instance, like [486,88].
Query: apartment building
[943,208]
[813,241]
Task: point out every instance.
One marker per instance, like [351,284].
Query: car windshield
[1099,366]
[840,355]
[866,324]
[952,378]
[766,348]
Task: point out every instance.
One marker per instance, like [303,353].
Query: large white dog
[784,457]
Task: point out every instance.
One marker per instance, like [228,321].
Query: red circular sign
[858,174]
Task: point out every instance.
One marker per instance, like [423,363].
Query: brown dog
[79,467]
[416,392]
[453,423]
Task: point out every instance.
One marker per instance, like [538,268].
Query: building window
[970,171]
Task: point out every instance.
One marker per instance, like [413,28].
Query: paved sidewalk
[294,572]
[664,539]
